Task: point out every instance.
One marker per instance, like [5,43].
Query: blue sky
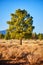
[34,7]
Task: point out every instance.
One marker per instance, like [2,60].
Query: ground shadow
[6,62]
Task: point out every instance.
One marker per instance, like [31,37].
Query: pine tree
[20,24]
[2,36]
[40,36]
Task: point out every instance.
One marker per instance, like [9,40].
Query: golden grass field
[29,53]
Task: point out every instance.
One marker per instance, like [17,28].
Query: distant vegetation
[2,36]
[33,36]
[21,26]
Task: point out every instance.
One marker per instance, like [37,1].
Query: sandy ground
[29,53]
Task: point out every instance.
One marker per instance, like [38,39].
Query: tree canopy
[21,24]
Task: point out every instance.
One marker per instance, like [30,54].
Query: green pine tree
[40,36]
[1,36]
[20,24]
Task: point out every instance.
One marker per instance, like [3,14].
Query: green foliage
[27,36]
[13,35]
[20,24]
[40,36]
[7,35]
[1,36]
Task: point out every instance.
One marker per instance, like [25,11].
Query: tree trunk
[21,41]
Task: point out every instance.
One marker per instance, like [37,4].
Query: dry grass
[29,53]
